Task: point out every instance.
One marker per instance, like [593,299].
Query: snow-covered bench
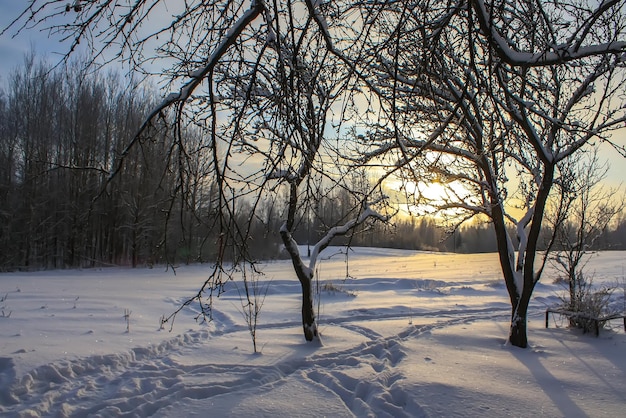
[579,315]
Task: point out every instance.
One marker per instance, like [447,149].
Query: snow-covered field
[410,334]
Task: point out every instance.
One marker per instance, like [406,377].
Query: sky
[13,50]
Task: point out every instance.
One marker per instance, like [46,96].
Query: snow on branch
[279,174]
[292,246]
[314,9]
[199,74]
[257,8]
[341,230]
[419,145]
[558,54]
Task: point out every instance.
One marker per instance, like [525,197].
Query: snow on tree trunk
[305,276]
[305,273]
[518,335]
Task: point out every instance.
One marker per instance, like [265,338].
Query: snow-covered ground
[409,334]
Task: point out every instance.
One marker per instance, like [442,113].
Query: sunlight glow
[421,198]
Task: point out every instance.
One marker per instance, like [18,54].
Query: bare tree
[493,132]
[591,209]
[305,160]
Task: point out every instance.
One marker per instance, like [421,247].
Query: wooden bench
[579,315]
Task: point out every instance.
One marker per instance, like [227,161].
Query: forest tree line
[62,133]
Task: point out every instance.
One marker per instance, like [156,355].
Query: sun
[434,193]
[419,198]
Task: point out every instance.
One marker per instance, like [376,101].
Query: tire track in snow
[144,380]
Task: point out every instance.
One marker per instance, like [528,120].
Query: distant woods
[62,134]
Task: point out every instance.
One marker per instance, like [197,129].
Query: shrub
[585,299]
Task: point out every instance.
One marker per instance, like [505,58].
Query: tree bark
[519,333]
[308,316]
[305,276]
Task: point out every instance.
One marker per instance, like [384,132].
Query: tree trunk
[305,277]
[519,304]
[518,335]
[308,316]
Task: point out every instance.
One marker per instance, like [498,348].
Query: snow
[315,9]
[562,53]
[409,334]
